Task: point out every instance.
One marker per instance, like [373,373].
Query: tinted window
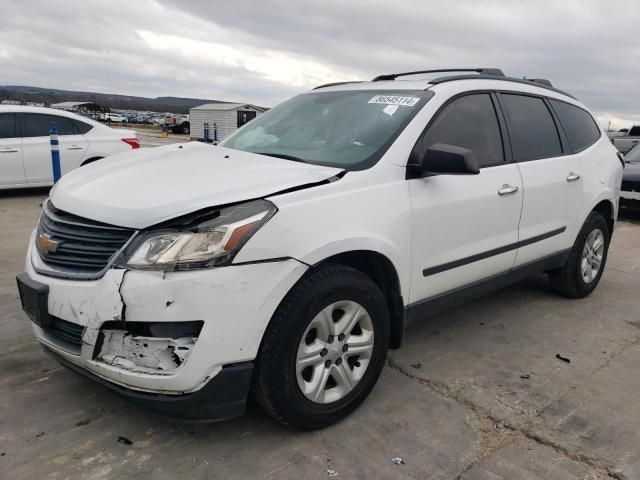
[578,124]
[531,128]
[37,125]
[81,127]
[635,131]
[469,122]
[8,125]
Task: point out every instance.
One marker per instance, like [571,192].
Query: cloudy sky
[265,51]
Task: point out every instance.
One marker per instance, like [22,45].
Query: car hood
[147,186]
[631,172]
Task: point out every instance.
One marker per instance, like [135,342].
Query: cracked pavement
[476,393]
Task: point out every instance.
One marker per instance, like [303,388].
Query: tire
[279,377]
[186,129]
[570,280]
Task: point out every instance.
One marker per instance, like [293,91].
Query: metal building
[223,118]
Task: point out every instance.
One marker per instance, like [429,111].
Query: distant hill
[51,95]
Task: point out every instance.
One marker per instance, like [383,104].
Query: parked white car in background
[25,151]
[287,261]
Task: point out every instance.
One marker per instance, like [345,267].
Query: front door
[11,167]
[465,227]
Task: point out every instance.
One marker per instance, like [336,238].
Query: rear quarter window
[578,124]
[81,127]
[531,126]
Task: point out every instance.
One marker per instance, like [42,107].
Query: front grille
[80,245]
[70,334]
[629,186]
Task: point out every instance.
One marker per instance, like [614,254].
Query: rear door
[37,150]
[551,177]
[465,227]
[11,167]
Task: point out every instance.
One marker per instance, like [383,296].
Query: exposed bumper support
[222,398]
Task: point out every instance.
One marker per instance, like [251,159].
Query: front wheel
[324,348]
[583,269]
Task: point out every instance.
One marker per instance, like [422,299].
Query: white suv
[285,261]
[25,151]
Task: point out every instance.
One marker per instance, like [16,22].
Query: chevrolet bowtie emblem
[45,244]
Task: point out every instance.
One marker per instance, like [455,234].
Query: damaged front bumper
[151,335]
[223,397]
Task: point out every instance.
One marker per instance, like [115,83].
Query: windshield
[346,129]
[633,155]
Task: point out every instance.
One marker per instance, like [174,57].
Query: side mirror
[444,159]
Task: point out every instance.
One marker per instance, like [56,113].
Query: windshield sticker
[390,109]
[394,100]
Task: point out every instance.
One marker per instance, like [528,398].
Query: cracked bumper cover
[222,398]
[234,303]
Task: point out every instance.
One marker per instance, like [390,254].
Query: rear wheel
[583,269]
[324,348]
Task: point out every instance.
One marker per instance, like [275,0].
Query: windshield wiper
[283,155]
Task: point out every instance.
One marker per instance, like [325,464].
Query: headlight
[199,241]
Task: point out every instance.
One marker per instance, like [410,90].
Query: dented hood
[144,187]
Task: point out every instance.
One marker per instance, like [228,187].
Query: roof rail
[482,71]
[334,84]
[542,81]
[537,83]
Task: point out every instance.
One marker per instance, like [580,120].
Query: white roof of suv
[489,78]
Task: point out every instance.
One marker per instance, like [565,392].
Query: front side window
[469,122]
[8,125]
[532,131]
[582,131]
[346,129]
[38,125]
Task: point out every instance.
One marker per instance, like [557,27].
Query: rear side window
[8,125]
[469,122]
[532,130]
[578,124]
[38,125]
[81,127]
[635,131]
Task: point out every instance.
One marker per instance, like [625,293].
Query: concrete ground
[476,393]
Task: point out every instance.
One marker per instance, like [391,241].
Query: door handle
[573,177]
[9,150]
[75,147]
[507,190]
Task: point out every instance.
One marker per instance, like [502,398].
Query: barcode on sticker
[395,100]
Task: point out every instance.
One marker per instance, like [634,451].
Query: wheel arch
[382,271]
[91,159]
[607,210]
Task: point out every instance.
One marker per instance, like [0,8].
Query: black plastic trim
[222,398]
[531,83]
[491,253]
[495,72]
[441,302]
